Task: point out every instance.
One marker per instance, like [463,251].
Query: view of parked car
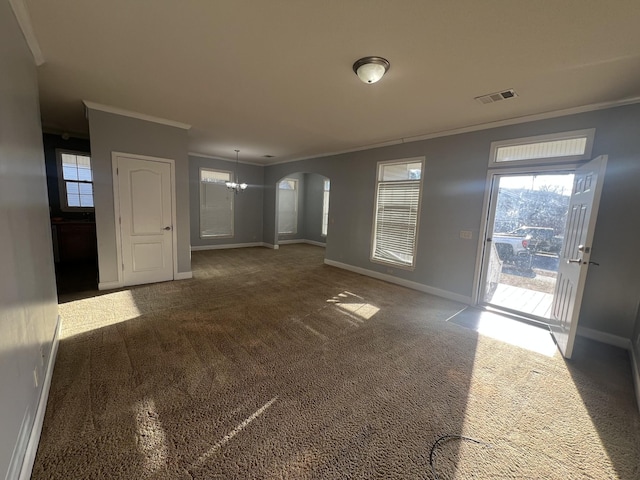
[520,244]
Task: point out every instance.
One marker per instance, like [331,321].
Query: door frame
[116,208]
[488,215]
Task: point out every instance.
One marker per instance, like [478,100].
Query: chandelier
[236,186]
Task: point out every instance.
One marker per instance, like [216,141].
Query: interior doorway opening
[525,235]
[302,209]
[69,168]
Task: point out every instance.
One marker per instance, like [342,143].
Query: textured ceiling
[274,77]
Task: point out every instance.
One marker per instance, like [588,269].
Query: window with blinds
[288,206]
[325,208]
[397,207]
[557,147]
[216,204]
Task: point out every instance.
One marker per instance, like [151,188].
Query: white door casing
[576,251]
[144,199]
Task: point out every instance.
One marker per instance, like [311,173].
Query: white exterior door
[574,258]
[145,219]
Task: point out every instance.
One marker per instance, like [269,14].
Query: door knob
[574,260]
[167,228]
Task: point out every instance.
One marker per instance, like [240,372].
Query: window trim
[588,133]
[296,205]
[233,205]
[422,161]
[62,187]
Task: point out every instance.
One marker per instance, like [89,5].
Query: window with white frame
[325,208]
[288,206]
[216,204]
[397,205]
[75,181]
[557,147]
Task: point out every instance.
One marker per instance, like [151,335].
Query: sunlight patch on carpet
[152,440]
[241,426]
[362,310]
[357,310]
[537,425]
[513,332]
[89,314]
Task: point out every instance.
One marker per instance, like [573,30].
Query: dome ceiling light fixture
[371,69]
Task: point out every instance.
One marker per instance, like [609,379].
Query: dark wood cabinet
[74,241]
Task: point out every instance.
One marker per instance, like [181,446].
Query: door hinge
[123,267]
[117,171]
[120,220]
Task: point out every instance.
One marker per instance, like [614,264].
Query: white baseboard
[110,285]
[290,242]
[604,337]
[317,244]
[195,248]
[401,281]
[301,240]
[271,245]
[635,368]
[36,428]
[117,284]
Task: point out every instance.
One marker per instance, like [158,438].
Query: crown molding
[525,119]
[478,127]
[24,21]
[140,116]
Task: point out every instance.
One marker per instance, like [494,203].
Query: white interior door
[145,217]
[574,257]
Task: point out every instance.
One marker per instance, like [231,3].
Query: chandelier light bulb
[236,186]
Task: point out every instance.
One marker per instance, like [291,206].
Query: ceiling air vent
[496,97]
[267,156]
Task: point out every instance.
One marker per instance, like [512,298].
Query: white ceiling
[274,76]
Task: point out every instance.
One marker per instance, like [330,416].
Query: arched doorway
[302,209]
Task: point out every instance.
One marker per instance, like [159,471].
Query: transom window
[216,204]
[397,205]
[75,181]
[557,147]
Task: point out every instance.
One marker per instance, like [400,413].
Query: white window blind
[288,206]
[216,204]
[325,208]
[556,147]
[396,215]
[76,181]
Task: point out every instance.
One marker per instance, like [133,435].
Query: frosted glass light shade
[371,69]
[370,73]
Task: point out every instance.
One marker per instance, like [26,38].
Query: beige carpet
[270,365]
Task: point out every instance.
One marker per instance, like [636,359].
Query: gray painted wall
[247,207]
[313,195]
[454,188]
[28,301]
[116,133]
